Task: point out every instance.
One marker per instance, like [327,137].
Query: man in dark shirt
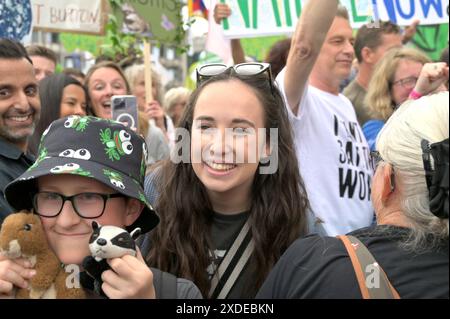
[19,112]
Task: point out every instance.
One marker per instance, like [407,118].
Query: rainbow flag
[197,7]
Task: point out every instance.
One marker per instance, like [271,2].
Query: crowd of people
[270,180]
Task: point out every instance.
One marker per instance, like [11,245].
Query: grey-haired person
[410,241]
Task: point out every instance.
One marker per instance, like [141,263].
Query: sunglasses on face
[208,71]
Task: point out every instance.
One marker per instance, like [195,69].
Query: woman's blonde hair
[379,94]
[173,96]
[134,71]
[399,143]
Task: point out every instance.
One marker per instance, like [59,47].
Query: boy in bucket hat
[98,166]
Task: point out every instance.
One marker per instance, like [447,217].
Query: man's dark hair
[38,50]
[10,49]
[277,56]
[371,37]
[74,72]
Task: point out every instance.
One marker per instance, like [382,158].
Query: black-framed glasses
[407,83]
[86,205]
[208,71]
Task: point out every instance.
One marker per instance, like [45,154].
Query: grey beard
[15,138]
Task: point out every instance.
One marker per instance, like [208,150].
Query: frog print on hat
[42,155]
[70,168]
[27,178]
[81,153]
[114,178]
[117,144]
[77,122]
[46,131]
[142,198]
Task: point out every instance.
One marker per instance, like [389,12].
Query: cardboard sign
[75,16]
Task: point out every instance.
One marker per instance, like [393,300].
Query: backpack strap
[362,258]
[165,284]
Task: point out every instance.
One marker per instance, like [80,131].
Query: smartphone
[125,110]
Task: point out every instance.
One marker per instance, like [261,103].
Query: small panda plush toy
[107,242]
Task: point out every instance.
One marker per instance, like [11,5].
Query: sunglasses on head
[208,71]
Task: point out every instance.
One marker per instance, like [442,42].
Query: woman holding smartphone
[103,81]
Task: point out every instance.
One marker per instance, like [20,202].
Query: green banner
[431,39]
[260,18]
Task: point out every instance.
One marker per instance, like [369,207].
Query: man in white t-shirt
[333,154]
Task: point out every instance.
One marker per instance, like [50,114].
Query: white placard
[76,16]
[254,18]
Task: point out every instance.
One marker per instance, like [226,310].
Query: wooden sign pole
[148,72]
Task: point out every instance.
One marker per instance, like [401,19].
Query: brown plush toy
[22,235]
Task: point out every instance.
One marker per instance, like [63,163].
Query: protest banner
[404,12]
[255,18]
[16,20]
[77,16]
[158,20]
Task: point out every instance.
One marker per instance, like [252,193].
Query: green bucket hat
[104,150]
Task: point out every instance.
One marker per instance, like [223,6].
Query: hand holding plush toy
[107,242]
[22,236]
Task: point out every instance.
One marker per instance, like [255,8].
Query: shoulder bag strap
[361,258]
[237,270]
[224,265]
